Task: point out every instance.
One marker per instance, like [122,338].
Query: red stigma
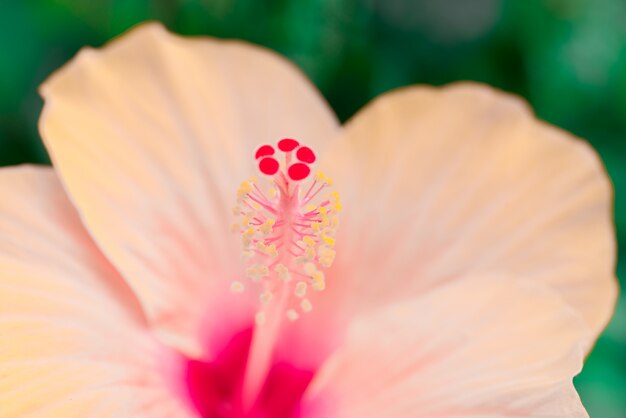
[306,155]
[298,171]
[268,166]
[287,144]
[263,151]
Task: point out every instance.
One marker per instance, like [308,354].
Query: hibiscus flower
[190,256]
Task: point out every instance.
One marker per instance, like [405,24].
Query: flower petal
[442,183]
[152,136]
[486,347]
[73,338]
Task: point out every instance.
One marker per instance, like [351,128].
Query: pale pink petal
[438,184]
[152,136]
[73,340]
[485,347]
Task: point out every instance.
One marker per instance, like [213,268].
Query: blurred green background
[567,57]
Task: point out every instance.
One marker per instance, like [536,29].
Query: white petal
[485,347]
[439,184]
[74,341]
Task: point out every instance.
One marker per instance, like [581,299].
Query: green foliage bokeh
[566,57]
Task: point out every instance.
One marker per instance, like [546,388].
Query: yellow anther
[310,208]
[335,201]
[272,192]
[315,226]
[271,250]
[328,240]
[236,210]
[306,305]
[259,318]
[309,253]
[309,269]
[319,282]
[256,271]
[319,285]
[327,261]
[237,287]
[282,272]
[267,226]
[326,256]
[319,176]
[244,189]
[292,315]
[300,290]
[249,232]
[260,246]
[317,276]
[323,210]
[308,241]
[266,297]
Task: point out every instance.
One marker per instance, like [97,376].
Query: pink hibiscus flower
[468,274]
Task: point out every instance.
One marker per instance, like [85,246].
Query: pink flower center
[216,387]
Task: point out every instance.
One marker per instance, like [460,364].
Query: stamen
[306,305]
[292,315]
[237,287]
[287,230]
